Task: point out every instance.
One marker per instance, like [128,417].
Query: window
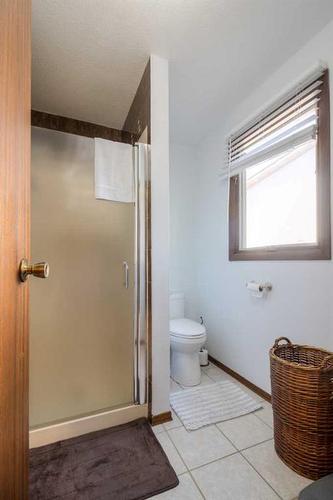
[279,174]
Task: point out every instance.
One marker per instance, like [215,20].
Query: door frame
[15,105]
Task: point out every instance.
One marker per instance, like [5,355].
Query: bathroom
[137,286]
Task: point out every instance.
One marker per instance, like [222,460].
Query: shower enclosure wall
[87,320]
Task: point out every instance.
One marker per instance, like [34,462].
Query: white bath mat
[211,403]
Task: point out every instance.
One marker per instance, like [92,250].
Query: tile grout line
[243,449]
[247,447]
[208,376]
[263,420]
[240,452]
[228,376]
[236,452]
[178,385]
[187,471]
[207,463]
[199,489]
[187,468]
[181,458]
[261,476]
[254,445]
[215,460]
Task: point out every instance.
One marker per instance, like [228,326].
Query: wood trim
[263,394]
[324,170]
[290,252]
[161,418]
[15,137]
[138,117]
[322,251]
[234,216]
[78,127]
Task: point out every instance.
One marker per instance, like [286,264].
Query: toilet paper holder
[256,286]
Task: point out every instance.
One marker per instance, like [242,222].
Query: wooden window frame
[320,251]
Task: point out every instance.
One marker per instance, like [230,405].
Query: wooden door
[15,56]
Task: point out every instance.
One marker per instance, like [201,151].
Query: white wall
[160,233]
[241,329]
[183,228]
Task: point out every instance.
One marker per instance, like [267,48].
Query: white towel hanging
[114,171]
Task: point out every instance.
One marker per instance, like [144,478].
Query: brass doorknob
[40,270]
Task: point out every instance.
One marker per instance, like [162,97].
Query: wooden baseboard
[263,394]
[161,418]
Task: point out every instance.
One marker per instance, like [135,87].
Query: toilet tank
[177,305]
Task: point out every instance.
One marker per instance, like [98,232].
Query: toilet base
[185,368]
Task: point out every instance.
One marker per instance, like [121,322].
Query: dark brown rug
[120,463]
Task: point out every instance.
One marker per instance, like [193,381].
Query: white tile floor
[232,460]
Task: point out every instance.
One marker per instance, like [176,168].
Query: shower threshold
[54,432]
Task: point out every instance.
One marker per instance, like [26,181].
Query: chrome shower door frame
[141,169]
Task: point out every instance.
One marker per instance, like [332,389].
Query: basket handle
[326,360]
[277,341]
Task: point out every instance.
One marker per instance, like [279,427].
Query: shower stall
[88,346]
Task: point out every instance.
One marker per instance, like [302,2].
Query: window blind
[289,123]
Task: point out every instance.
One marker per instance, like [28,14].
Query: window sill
[289,252]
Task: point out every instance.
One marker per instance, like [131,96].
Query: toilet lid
[183,327]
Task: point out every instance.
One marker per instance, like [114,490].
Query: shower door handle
[125,269]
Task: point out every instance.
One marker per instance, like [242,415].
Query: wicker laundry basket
[302,399]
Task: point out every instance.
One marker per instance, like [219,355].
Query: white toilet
[186,339]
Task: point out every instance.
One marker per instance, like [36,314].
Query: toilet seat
[184,328]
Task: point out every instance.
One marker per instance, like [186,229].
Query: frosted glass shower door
[82,316]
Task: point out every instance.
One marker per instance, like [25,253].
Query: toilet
[186,339]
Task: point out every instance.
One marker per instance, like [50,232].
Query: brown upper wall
[137,120]
[138,117]
[78,127]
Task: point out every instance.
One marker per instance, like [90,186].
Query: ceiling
[89,55]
